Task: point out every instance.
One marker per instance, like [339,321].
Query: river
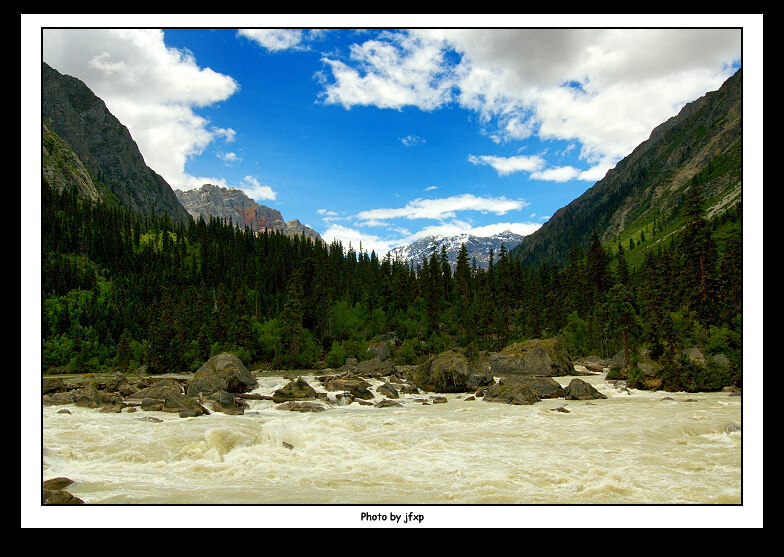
[633,448]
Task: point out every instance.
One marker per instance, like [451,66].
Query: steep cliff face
[233,204]
[703,142]
[104,146]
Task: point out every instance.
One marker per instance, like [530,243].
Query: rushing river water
[634,447]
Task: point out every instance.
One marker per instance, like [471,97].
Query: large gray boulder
[90,397]
[511,390]
[581,390]
[223,372]
[166,395]
[295,390]
[543,387]
[545,357]
[450,372]
[355,386]
[51,385]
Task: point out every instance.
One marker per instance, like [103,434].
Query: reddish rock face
[230,203]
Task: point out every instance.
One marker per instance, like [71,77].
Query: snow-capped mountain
[478,248]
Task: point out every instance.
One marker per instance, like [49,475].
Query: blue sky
[382,136]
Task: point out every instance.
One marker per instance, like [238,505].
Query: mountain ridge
[478,247]
[643,193]
[233,204]
[103,145]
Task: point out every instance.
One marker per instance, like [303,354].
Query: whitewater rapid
[635,447]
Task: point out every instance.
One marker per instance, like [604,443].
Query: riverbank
[631,447]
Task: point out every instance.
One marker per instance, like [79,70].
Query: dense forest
[120,291]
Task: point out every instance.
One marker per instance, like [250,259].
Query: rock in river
[223,372]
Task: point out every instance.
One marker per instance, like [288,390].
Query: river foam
[631,448]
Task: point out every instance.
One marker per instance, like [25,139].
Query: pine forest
[121,291]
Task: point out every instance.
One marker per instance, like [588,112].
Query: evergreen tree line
[120,290]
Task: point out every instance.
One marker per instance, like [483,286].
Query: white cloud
[509,165]
[391,71]
[151,88]
[255,190]
[228,134]
[431,188]
[229,158]
[522,228]
[356,239]
[444,211]
[557,174]
[273,39]
[410,140]
[372,242]
[443,208]
[605,89]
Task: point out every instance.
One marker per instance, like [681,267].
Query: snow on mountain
[478,248]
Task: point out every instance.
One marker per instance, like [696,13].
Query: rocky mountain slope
[478,248]
[63,169]
[107,155]
[230,203]
[643,193]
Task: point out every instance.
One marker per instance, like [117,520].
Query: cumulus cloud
[604,89]
[391,71]
[151,88]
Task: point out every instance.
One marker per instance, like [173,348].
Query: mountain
[478,247]
[640,199]
[87,147]
[63,169]
[230,203]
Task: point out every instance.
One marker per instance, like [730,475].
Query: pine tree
[597,268]
[292,334]
[622,268]
[621,317]
[124,350]
[462,292]
[697,258]
[730,278]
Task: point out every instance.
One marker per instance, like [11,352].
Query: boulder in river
[543,387]
[223,372]
[582,390]
[545,357]
[297,389]
[53,492]
[511,390]
[166,395]
[388,390]
[51,385]
[450,372]
[300,406]
[355,386]
[225,402]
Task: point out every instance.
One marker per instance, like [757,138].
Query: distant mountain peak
[234,204]
[478,247]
